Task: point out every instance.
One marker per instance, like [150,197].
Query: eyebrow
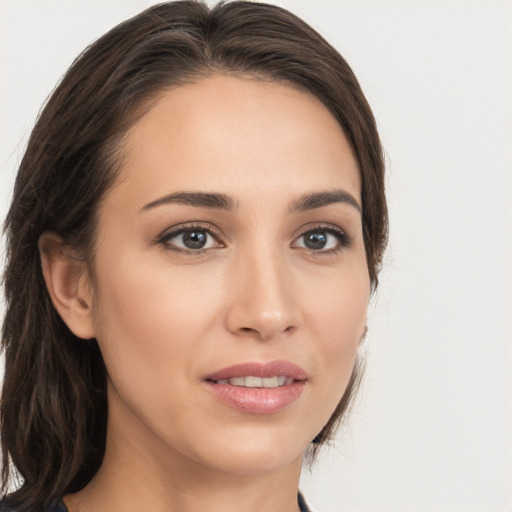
[321,199]
[200,199]
[224,202]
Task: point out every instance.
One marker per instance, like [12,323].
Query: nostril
[261,333]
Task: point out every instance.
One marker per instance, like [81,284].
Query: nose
[263,302]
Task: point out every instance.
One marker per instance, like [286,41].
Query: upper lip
[260,369]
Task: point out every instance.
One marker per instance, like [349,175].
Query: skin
[164,317]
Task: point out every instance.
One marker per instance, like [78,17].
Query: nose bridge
[263,304]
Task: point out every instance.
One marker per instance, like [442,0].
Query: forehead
[239,135]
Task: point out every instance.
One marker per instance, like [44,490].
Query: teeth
[251,382]
[257,382]
[237,381]
[270,382]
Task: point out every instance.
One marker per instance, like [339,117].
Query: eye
[323,239]
[192,238]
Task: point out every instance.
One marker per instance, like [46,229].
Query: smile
[258,382]
[258,388]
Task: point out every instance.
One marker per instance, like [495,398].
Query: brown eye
[323,240]
[315,240]
[194,239]
[191,239]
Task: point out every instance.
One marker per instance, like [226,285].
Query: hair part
[54,410]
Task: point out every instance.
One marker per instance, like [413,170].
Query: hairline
[117,147]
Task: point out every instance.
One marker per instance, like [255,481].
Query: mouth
[251,381]
[258,388]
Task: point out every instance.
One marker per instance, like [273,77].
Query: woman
[196,228]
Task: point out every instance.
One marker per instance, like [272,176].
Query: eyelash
[343,238]
[164,239]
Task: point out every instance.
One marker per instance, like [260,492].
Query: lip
[258,400]
[258,369]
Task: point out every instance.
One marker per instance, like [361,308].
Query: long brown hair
[54,407]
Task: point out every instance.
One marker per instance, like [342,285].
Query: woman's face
[230,247]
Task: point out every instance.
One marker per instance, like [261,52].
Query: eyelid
[344,240]
[341,234]
[177,230]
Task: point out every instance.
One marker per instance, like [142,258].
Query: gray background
[432,428]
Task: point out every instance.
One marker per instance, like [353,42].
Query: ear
[68,284]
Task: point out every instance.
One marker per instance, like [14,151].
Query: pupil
[315,240]
[194,239]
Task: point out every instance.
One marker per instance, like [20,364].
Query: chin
[260,451]
[251,464]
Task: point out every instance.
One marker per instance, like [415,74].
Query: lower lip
[258,400]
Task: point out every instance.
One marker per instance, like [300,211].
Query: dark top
[60,507]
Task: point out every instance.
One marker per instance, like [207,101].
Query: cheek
[339,308]
[152,320]
[339,316]
[149,303]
